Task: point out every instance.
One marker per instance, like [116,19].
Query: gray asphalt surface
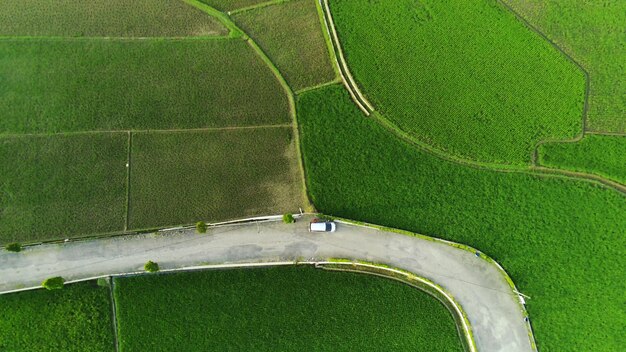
[492,308]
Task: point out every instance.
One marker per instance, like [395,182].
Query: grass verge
[76,318]
[58,186]
[560,240]
[286,309]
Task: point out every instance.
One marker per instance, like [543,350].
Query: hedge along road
[492,308]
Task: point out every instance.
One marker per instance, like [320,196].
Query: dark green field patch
[595,154]
[85,85]
[185,177]
[279,309]
[74,319]
[466,78]
[562,241]
[58,186]
[105,18]
[291,35]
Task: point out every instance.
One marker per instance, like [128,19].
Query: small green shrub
[201,227]
[151,267]
[53,283]
[13,247]
[288,218]
[103,282]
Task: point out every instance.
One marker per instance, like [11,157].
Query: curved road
[492,309]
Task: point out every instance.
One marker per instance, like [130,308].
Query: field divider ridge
[114,312]
[128,171]
[256,6]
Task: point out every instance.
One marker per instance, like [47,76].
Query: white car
[322,226]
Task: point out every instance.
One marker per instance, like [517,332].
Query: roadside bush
[53,283]
[13,247]
[103,282]
[151,267]
[288,218]
[201,227]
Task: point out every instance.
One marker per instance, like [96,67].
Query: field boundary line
[199,129]
[128,171]
[601,133]
[114,313]
[329,44]
[256,6]
[234,31]
[321,85]
[340,61]
[105,38]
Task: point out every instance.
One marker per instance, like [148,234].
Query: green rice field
[105,18]
[87,85]
[278,309]
[184,177]
[58,186]
[561,240]
[74,319]
[595,154]
[593,33]
[291,34]
[467,79]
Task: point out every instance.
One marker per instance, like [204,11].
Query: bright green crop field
[86,85]
[466,78]
[562,241]
[279,309]
[593,33]
[74,319]
[291,34]
[184,177]
[595,154]
[52,187]
[105,18]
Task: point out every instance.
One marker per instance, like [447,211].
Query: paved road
[492,309]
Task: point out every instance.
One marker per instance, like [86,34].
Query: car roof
[318,226]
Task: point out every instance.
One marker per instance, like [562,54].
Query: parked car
[322,226]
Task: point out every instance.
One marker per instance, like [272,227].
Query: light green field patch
[593,33]
[185,177]
[105,18]
[595,154]
[58,186]
[86,85]
[466,78]
[291,35]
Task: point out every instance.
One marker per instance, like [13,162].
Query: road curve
[492,308]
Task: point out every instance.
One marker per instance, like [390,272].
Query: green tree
[201,227]
[151,267]
[53,283]
[288,218]
[13,247]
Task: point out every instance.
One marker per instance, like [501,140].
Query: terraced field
[467,79]
[561,240]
